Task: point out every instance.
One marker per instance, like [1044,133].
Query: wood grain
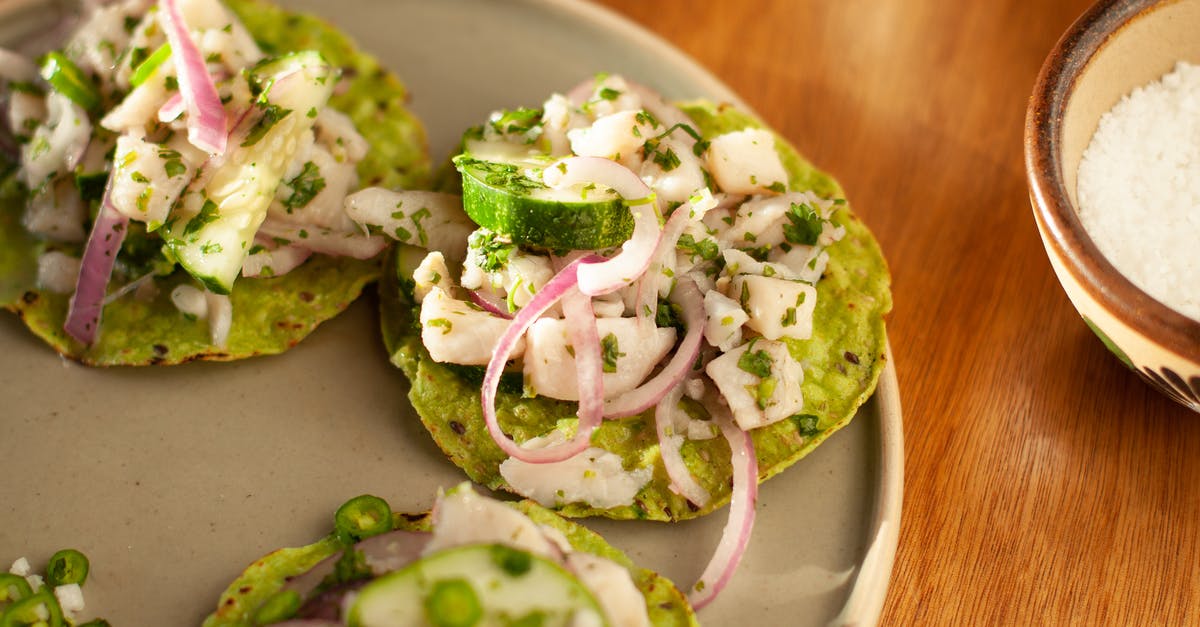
[1045,483]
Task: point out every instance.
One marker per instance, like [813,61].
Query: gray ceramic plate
[171,480]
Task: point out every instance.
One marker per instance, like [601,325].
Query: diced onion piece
[551,293]
[736,535]
[206,114]
[171,109]
[220,318]
[99,255]
[57,272]
[613,274]
[682,481]
[687,296]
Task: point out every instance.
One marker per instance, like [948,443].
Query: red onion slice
[579,93]
[663,257]
[550,294]
[589,365]
[206,114]
[682,481]
[487,305]
[171,109]
[608,276]
[736,534]
[645,396]
[95,271]
[666,113]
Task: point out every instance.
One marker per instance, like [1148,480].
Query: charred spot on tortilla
[269,314]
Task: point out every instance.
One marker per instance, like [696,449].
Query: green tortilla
[665,604]
[270,315]
[842,363]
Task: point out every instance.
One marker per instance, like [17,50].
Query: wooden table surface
[1044,482]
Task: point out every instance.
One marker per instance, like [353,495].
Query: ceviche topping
[162,130]
[626,262]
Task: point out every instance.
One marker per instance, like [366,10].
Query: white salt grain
[1139,188]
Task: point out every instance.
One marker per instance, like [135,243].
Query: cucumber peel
[501,197]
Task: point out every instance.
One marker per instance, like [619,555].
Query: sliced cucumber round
[510,199]
[484,584]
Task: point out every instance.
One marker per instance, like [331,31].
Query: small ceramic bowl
[1116,46]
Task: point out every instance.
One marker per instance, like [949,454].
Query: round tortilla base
[842,363]
[270,315]
[665,604]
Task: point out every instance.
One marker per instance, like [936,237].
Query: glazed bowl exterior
[1114,47]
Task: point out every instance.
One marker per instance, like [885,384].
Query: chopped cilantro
[518,121]
[503,175]
[272,114]
[442,324]
[208,214]
[758,253]
[417,216]
[757,363]
[610,352]
[493,251]
[608,93]
[804,224]
[307,184]
[666,160]
[706,249]
[807,425]
[174,168]
[668,314]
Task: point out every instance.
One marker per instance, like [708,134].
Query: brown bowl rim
[1052,206]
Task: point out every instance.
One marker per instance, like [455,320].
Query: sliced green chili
[24,613]
[10,582]
[147,67]
[362,517]
[67,566]
[66,78]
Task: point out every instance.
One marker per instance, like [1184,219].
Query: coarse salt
[1139,188]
